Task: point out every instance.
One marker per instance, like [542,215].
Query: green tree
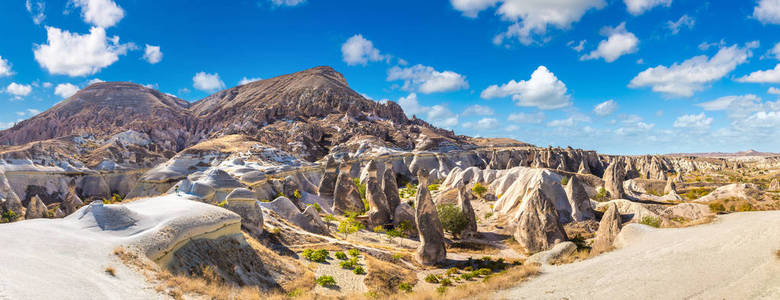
[479,189]
[349,226]
[453,220]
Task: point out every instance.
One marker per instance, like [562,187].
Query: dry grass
[778,253]
[473,248]
[384,277]
[480,290]
[111,271]
[575,256]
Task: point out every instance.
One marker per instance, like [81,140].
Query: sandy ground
[732,258]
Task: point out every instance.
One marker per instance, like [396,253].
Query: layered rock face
[431,250]
[243,202]
[346,196]
[609,227]
[774,185]
[379,213]
[538,228]
[613,179]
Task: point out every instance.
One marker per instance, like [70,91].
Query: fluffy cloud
[696,122]
[692,75]
[675,26]
[65,90]
[411,106]
[543,91]
[439,115]
[533,17]
[740,107]
[152,54]
[36,10]
[287,2]
[578,46]
[773,91]
[18,90]
[634,129]
[359,51]
[5,68]
[28,112]
[479,110]
[95,80]
[102,13]
[470,8]
[605,108]
[766,76]
[482,124]
[74,54]
[427,80]
[521,117]
[245,80]
[207,82]
[618,42]
[767,11]
[571,121]
[638,7]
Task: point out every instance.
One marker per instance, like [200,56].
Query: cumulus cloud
[359,51]
[207,82]
[638,7]
[634,129]
[470,8]
[766,76]
[605,108]
[532,18]
[287,2]
[543,90]
[573,119]
[479,110]
[427,80]
[36,9]
[438,114]
[28,112]
[102,13]
[245,80]
[577,46]
[767,11]
[411,106]
[696,122]
[5,68]
[773,91]
[65,90]
[482,124]
[684,21]
[535,118]
[18,90]
[74,54]
[692,75]
[152,54]
[618,42]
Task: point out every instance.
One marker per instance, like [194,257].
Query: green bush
[484,271]
[353,252]
[745,207]
[564,180]
[326,280]
[361,188]
[431,278]
[467,276]
[340,255]
[479,189]
[223,203]
[316,255]
[433,187]
[717,207]
[379,229]
[405,287]
[297,195]
[316,206]
[348,264]
[359,270]
[452,271]
[602,195]
[9,216]
[445,282]
[452,219]
[651,221]
[349,226]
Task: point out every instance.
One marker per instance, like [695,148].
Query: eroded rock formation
[609,227]
[538,228]
[431,250]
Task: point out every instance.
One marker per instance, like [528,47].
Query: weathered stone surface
[243,202]
[405,213]
[584,169]
[613,180]
[774,185]
[431,250]
[35,209]
[58,213]
[310,221]
[346,197]
[560,250]
[8,199]
[72,202]
[538,228]
[578,199]
[328,181]
[670,186]
[379,213]
[390,187]
[464,203]
[609,227]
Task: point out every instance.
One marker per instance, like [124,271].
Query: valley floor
[734,257]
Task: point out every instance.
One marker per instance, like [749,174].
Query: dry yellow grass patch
[111,271]
[473,248]
[480,290]
[384,277]
[580,254]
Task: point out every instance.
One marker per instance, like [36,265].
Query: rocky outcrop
[774,185]
[71,203]
[9,201]
[514,187]
[405,214]
[464,203]
[583,169]
[558,251]
[670,186]
[346,196]
[390,187]
[328,183]
[609,227]
[35,209]
[578,199]
[431,250]
[379,213]
[244,202]
[613,180]
[538,228]
[308,220]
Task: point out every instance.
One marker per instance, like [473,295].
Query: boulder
[243,202]
[405,213]
[328,181]
[390,187]
[464,203]
[774,185]
[560,250]
[379,213]
[72,202]
[310,221]
[613,179]
[346,196]
[431,250]
[538,228]
[584,168]
[609,227]
[578,199]
[670,186]
[35,209]
[58,213]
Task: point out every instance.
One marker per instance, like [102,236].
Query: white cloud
[533,17]
[482,124]
[244,80]
[102,13]
[95,80]
[359,51]
[543,91]
[18,90]
[5,68]
[411,106]
[207,82]
[618,42]
[521,117]
[28,112]
[696,122]
[470,8]
[577,46]
[773,91]
[634,129]
[47,84]
[427,80]
[739,108]
[571,121]
[638,7]
[693,74]
[441,116]
[675,26]
[479,110]
[605,108]
[725,102]
[36,9]
[766,76]
[287,2]
[65,90]
[152,54]
[74,54]
[767,11]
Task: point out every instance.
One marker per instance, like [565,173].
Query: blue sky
[619,76]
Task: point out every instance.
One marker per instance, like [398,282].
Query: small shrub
[316,206]
[488,214]
[349,226]
[397,256]
[9,216]
[717,207]
[745,207]
[431,278]
[222,204]
[452,271]
[453,220]
[433,187]
[361,188]
[297,195]
[319,256]
[379,229]
[479,189]
[359,270]
[467,276]
[353,252]
[651,221]
[602,195]
[445,282]
[347,264]
[564,180]
[340,255]
[405,287]
[111,271]
[326,280]
[468,269]
[484,272]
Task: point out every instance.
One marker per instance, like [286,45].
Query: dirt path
[732,258]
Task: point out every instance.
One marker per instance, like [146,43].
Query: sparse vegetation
[488,214]
[316,206]
[405,287]
[453,220]
[697,193]
[110,271]
[432,278]
[349,226]
[358,270]
[354,252]
[326,281]
[564,180]
[340,255]
[602,195]
[223,203]
[319,256]
[479,189]
[349,264]
[379,229]
[651,221]
[409,191]
[8,216]
[717,207]
[433,187]
[297,195]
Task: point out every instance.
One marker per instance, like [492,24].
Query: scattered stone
[609,227]
[560,250]
[538,228]
[431,250]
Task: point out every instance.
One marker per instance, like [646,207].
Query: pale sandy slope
[732,258]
